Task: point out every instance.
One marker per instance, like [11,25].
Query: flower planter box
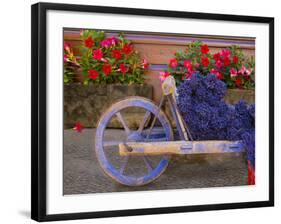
[87,103]
[235,95]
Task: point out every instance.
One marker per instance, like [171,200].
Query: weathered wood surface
[159,47]
[179,147]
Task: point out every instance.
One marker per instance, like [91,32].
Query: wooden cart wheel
[132,170]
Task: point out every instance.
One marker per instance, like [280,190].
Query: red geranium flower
[204,49]
[226,61]
[235,59]
[225,53]
[233,72]
[217,56]
[93,74]
[238,82]
[173,63]
[205,61]
[145,64]
[89,42]
[78,127]
[97,54]
[219,75]
[251,174]
[116,54]
[123,68]
[187,64]
[106,68]
[127,49]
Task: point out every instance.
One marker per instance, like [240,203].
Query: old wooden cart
[140,155]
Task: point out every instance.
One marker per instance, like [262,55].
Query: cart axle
[179,147]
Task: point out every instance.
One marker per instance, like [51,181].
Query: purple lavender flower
[209,117]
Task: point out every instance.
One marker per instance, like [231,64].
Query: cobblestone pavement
[82,173]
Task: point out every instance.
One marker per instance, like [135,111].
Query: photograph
[139,112]
[156,111]
[147,111]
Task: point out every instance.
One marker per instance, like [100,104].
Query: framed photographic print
[139,111]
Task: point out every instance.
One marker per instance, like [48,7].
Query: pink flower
[66,46]
[173,63]
[188,75]
[104,60]
[163,75]
[242,70]
[97,54]
[114,40]
[225,53]
[245,71]
[218,64]
[249,71]
[233,72]
[106,42]
[65,58]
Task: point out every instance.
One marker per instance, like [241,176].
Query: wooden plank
[157,53]
[179,147]
[159,48]
[161,54]
[172,39]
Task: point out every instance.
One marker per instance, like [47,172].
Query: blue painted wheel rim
[105,164]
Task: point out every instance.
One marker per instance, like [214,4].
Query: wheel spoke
[143,122]
[111,143]
[124,164]
[122,121]
[147,163]
[151,127]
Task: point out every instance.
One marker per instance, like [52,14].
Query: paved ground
[82,173]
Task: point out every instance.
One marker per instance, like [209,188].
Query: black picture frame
[39,107]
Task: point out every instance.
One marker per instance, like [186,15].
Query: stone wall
[87,103]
